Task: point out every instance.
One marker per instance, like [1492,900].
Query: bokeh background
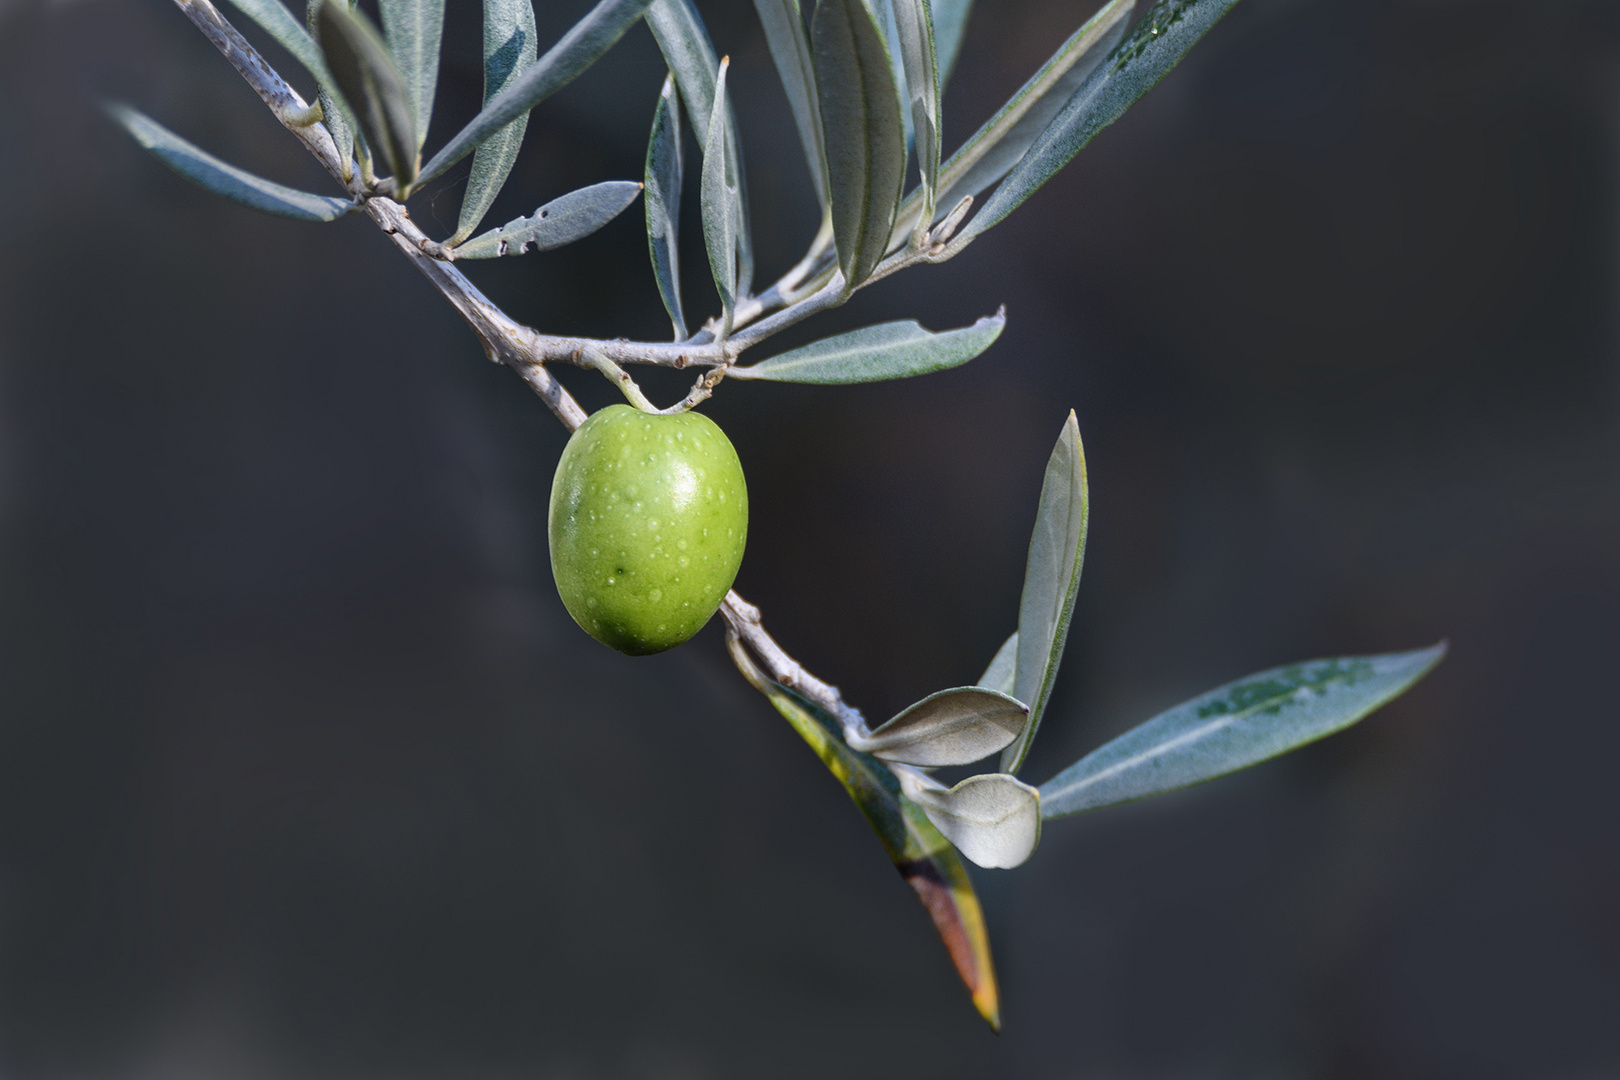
[304,771]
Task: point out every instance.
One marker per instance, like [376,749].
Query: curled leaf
[952,727]
[994,818]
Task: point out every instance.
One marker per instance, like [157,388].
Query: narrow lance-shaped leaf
[1155,45]
[335,113]
[1235,726]
[239,186]
[915,25]
[1004,138]
[664,175]
[790,48]
[892,350]
[950,24]
[578,49]
[282,25]
[922,855]
[719,200]
[863,129]
[560,221]
[891,34]
[372,87]
[1002,673]
[509,49]
[993,818]
[414,29]
[951,727]
[685,43]
[1057,547]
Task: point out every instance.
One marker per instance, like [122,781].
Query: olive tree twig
[524,350]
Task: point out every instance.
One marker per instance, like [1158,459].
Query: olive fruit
[648,518]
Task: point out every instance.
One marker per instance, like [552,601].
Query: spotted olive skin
[648,519]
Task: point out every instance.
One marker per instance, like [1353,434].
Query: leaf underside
[509,49]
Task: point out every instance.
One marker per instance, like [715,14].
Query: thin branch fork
[523,349]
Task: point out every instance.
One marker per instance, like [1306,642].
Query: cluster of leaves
[864,79]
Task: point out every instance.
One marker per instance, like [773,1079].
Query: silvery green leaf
[240,186]
[790,48]
[891,34]
[560,221]
[1003,670]
[282,25]
[364,74]
[1057,547]
[924,858]
[687,50]
[1155,45]
[863,131]
[915,26]
[1235,726]
[335,113]
[413,29]
[1004,138]
[338,126]
[950,23]
[720,202]
[663,179]
[952,727]
[994,819]
[891,350]
[578,49]
[509,49]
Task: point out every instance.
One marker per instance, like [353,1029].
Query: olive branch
[864,79]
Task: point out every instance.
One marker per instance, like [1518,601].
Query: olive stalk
[526,351]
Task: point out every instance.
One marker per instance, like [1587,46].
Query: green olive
[648,518]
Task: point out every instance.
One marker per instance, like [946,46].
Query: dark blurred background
[304,771]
